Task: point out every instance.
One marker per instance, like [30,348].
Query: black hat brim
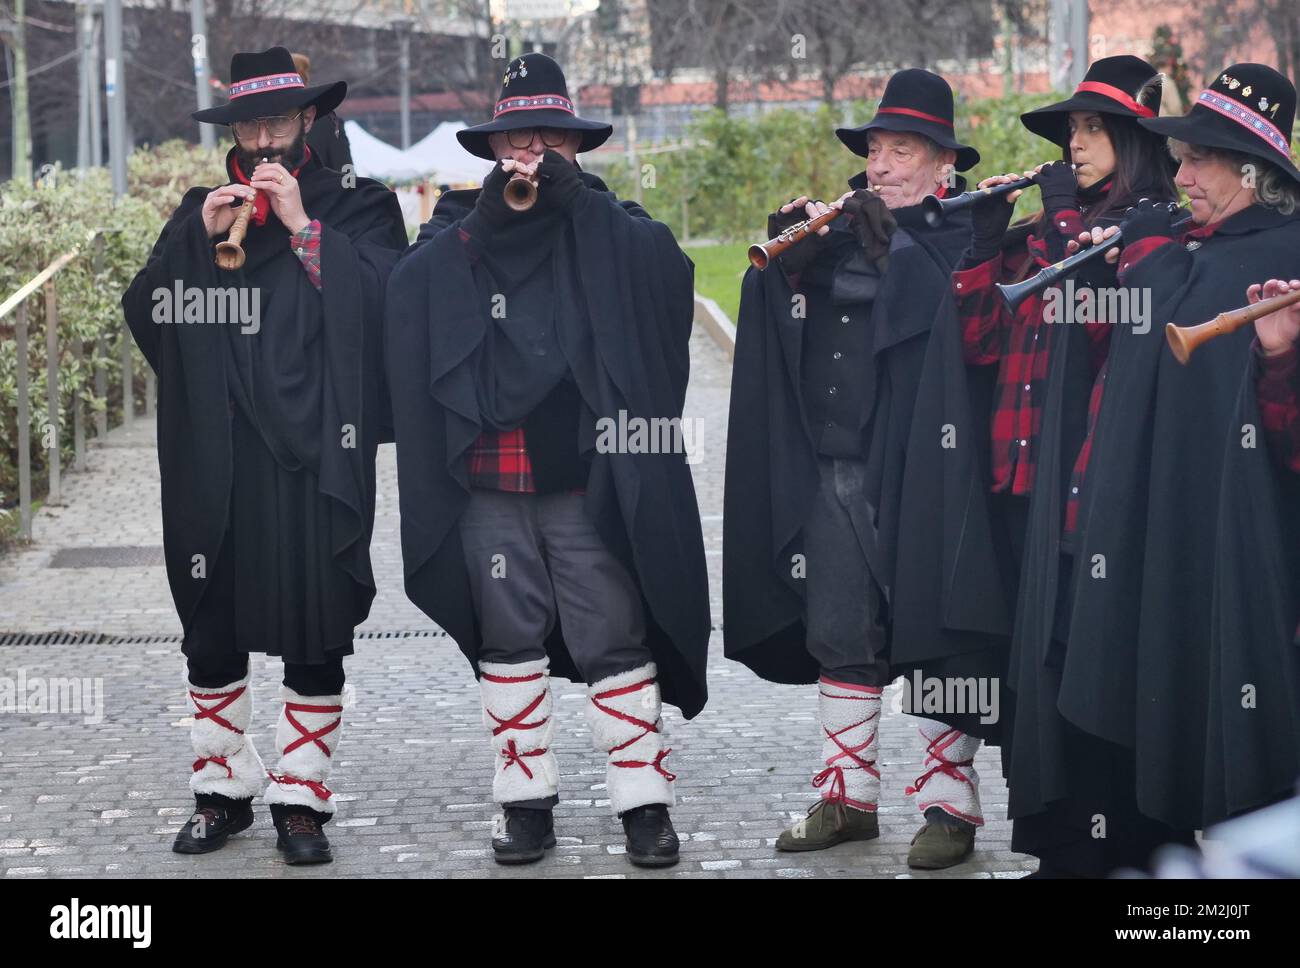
[1201,126]
[1051,122]
[325,97]
[475,139]
[855,139]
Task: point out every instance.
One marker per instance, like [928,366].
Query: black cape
[267,414]
[630,290]
[933,551]
[1136,669]
[1252,751]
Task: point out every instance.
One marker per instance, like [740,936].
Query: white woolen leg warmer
[624,713]
[517,707]
[850,719]
[306,737]
[227,762]
[948,780]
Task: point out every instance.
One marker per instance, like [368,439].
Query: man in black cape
[856,536]
[1154,694]
[268,418]
[527,354]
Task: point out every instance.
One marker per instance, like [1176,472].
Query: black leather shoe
[215,819]
[651,840]
[526,835]
[302,838]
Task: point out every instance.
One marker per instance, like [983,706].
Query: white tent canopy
[437,157]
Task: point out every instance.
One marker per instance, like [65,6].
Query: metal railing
[17,304]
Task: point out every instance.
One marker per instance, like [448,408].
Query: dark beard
[291,157]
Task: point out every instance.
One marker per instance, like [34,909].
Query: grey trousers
[533,558]
[844,603]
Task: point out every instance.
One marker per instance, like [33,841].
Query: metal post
[101,352]
[403,28]
[114,82]
[24,429]
[199,47]
[101,388]
[22,137]
[52,412]
[128,383]
[94,29]
[83,94]
[78,411]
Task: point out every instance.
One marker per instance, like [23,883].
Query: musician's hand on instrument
[1148,219]
[1096,236]
[559,181]
[1278,331]
[795,211]
[990,216]
[872,223]
[220,209]
[1059,186]
[994,180]
[511,167]
[282,192]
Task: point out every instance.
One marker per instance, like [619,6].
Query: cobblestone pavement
[105,798]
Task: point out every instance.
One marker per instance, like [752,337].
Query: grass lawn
[718,271]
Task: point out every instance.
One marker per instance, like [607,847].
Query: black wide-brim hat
[267,84]
[533,95]
[917,101]
[1248,108]
[1125,85]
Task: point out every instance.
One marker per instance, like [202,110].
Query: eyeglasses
[276,127]
[523,137]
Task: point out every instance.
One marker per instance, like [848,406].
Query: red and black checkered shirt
[1129,257]
[306,246]
[1279,404]
[1019,345]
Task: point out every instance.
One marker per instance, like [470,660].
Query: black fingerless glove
[872,223]
[558,181]
[801,255]
[490,210]
[1148,219]
[990,216]
[1059,186]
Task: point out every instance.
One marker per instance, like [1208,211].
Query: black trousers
[320,679]
[844,603]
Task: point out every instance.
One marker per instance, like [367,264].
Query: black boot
[215,819]
[527,834]
[651,840]
[302,837]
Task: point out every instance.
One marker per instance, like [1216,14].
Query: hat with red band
[918,101]
[534,94]
[267,84]
[1124,85]
[1248,108]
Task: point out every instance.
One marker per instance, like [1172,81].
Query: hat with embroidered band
[267,84]
[533,95]
[1248,108]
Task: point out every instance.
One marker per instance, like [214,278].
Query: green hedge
[38,223]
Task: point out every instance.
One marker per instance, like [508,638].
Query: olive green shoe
[941,843]
[829,822]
